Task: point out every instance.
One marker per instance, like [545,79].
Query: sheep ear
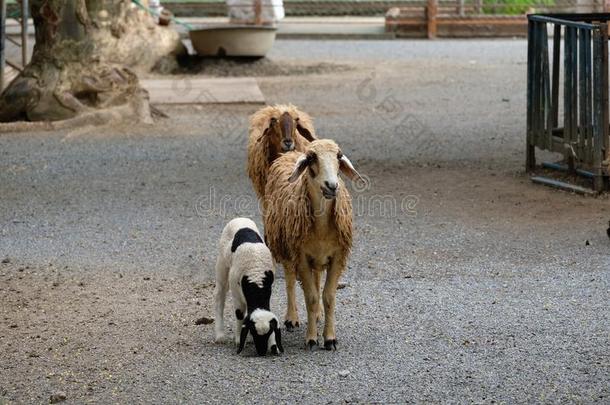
[299,167]
[242,338]
[347,168]
[264,135]
[305,133]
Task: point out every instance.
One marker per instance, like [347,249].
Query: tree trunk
[85,60]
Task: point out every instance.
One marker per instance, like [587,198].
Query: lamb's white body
[251,263]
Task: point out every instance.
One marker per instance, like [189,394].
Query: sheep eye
[273,120]
[339,155]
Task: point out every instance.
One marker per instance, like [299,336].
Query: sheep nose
[331,186]
[287,144]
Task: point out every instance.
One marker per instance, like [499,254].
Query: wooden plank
[204,90]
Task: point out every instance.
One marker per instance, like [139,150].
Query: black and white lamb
[246,266]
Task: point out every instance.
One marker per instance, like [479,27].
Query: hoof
[312,345]
[275,350]
[330,344]
[290,325]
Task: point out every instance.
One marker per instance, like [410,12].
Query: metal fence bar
[530,152]
[600,101]
[586,100]
[588,123]
[571,94]
[556,20]
[535,92]
[547,118]
[24,32]
[2,42]
[582,94]
[556,65]
[602,179]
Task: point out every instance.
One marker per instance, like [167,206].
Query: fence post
[2,42]
[431,12]
[460,8]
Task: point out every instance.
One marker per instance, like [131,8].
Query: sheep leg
[318,279]
[240,312]
[292,314]
[312,301]
[328,296]
[220,295]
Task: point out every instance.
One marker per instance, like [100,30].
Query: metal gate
[582,137]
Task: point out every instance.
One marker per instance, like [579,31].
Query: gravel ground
[467,283]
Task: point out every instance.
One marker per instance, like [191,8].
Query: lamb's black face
[261,342]
[265,333]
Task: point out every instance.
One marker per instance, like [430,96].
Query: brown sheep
[308,228]
[275,130]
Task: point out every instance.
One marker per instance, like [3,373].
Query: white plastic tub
[236,40]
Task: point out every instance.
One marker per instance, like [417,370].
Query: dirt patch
[79,332]
[231,67]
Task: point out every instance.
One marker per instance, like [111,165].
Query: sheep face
[324,160]
[263,326]
[282,130]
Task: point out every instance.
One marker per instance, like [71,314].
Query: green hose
[174,19]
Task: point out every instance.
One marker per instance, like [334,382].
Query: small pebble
[204,320]
[6,260]
[341,286]
[343,373]
[57,397]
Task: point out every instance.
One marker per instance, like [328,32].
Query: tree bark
[86,58]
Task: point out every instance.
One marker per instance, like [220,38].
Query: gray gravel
[470,285]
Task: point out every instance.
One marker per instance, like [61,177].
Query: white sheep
[245,265]
[308,227]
